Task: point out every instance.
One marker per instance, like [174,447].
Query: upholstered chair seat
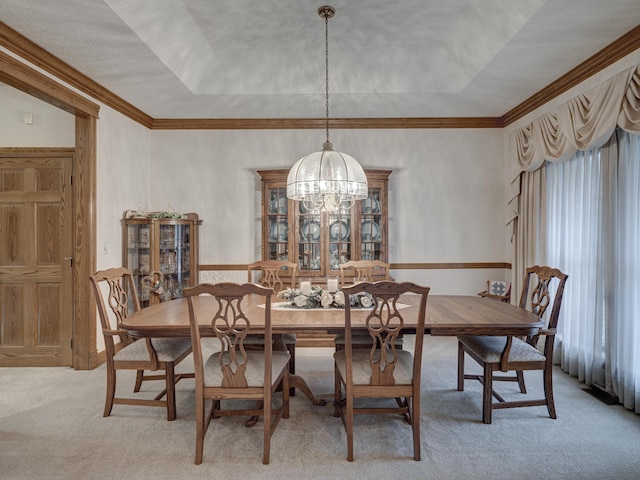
[254,372]
[490,349]
[167,349]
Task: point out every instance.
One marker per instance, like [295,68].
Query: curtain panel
[593,233]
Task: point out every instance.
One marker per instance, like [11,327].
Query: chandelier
[327,180]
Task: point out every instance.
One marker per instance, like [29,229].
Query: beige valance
[586,121]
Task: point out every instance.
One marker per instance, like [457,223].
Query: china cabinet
[162,253]
[320,241]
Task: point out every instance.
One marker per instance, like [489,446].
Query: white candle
[332,284]
[305,288]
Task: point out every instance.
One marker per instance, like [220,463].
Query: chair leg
[415,425]
[404,403]
[292,366]
[171,391]
[349,426]
[548,392]
[111,391]
[520,376]
[200,431]
[267,428]
[460,368]
[337,393]
[139,378]
[487,397]
[285,397]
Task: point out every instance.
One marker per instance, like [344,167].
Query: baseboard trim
[601,394]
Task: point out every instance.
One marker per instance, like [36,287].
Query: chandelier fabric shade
[327,180]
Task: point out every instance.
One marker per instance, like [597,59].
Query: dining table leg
[295,381]
[299,383]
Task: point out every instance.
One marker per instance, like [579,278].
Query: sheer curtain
[593,234]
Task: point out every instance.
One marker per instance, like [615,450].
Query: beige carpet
[51,427]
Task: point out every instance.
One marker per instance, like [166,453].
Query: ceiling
[213,59]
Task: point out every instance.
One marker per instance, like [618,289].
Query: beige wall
[51,126]
[445,198]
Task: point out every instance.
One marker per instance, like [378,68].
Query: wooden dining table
[446,315]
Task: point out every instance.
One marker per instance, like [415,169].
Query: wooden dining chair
[361,271]
[509,353]
[233,372]
[497,290]
[117,297]
[270,272]
[384,371]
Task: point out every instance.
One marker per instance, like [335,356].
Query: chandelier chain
[326,72]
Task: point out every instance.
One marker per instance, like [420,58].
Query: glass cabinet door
[371,227]
[278,221]
[139,256]
[174,260]
[339,238]
[309,244]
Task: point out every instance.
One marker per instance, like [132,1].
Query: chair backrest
[116,297]
[499,288]
[385,324]
[536,296]
[271,271]
[227,321]
[364,271]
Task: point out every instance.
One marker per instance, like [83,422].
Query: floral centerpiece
[318,297]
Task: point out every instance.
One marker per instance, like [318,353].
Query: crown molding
[320,123]
[31,52]
[613,52]
[21,76]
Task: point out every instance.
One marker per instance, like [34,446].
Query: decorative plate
[278,205]
[370,205]
[310,231]
[339,231]
[279,231]
[370,231]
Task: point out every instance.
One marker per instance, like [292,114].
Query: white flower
[365,301]
[338,297]
[300,301]
[326,299]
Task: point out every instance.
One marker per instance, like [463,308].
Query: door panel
[35,278]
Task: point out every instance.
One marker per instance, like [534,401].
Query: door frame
[25,78]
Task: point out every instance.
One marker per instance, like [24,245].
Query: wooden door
[35,264]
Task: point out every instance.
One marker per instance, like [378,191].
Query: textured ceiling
[265,59]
